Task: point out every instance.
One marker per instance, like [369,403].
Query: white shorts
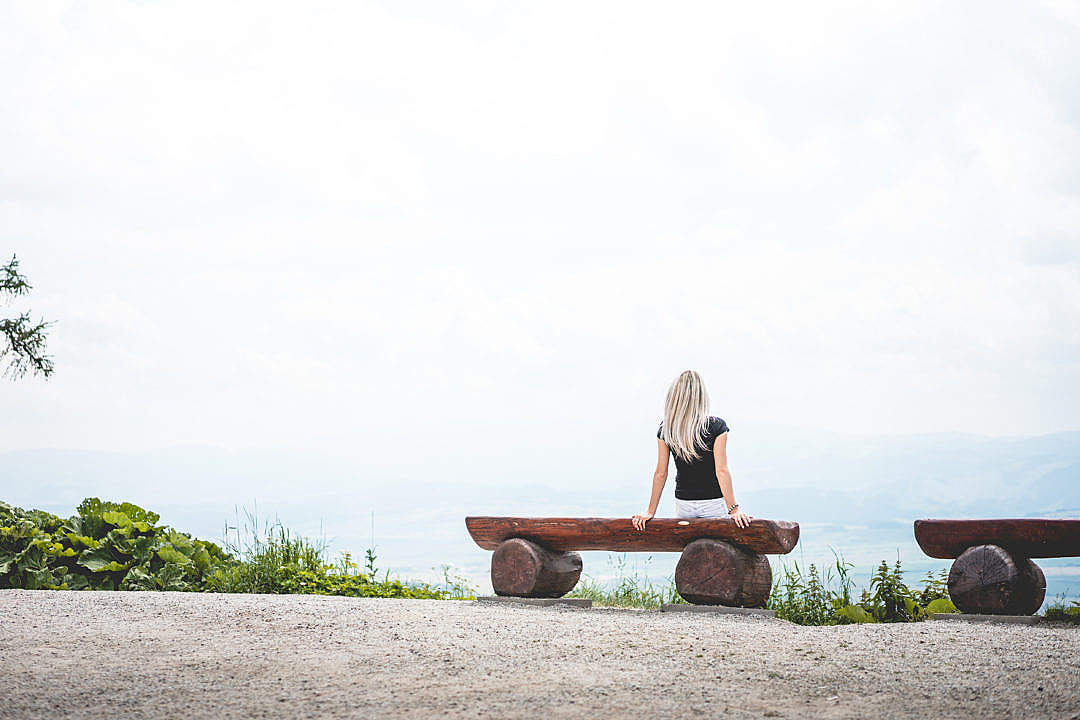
[716,508]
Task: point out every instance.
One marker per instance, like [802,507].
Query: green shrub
[106,546]
[812,598]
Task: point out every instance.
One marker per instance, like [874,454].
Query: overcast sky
[485,229]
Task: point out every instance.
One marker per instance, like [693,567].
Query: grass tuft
[632,589]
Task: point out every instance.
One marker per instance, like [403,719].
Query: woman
[699,443]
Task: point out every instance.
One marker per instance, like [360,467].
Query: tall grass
[271,559]
[631,589]
[1062,610]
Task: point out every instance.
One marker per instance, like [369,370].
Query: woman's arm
[723,476]
[659,479]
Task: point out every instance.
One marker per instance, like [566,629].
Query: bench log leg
[991,580]
[520,568]
[713,572]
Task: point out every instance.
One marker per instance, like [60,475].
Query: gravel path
[101,654]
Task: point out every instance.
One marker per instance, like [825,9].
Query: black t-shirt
[696,480]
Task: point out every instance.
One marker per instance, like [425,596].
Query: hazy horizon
[854,495]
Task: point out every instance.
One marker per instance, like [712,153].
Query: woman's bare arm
[723,476]
[659,479]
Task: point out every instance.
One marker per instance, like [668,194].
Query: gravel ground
[101,654]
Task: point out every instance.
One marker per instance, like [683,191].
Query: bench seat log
[619,534]
[1026,537]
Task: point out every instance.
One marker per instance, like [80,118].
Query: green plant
[456,587]
[810,598]
[940,605]
[121,546]
[630,588]
[105,546]
[1063,611]
[805,598]
[889,599]
[271,559]
[935,587]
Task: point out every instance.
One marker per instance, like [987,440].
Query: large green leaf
[139,578]
[172,555]
[91,507]
[45,521]
[201,558]
[30,557]
[172,578]
[74,581]
[100,560]
[180,540]
[18,530]
[75,525]
[58,550]
[941,605]
[120,544]
[854,614]
[81,542]
[115,517]
[143,548]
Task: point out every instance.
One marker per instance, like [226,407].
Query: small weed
[629,589]
[1063,611]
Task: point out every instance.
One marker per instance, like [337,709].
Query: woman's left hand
[640,520]
[741,519]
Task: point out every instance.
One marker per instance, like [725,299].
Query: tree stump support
[990,580]
[713,572]
[520,568]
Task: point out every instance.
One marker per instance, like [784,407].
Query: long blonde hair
[686,416]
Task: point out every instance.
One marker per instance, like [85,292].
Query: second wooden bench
[993,573]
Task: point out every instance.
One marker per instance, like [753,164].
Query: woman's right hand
[640,520]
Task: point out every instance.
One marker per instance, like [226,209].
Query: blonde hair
[686,416]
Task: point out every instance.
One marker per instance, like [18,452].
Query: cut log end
[991,580]
[713,572]
[520,568]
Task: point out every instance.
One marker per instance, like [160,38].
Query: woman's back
[696,479]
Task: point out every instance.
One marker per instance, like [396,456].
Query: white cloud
[487,230]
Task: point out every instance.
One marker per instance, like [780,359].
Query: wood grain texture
[1027,537]
[619,535]
[520,568]
[710,572]
[757,583]
[713,572]
[1038,580]
[989,579]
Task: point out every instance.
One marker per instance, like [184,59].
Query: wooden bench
[721,563]
[993,573]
